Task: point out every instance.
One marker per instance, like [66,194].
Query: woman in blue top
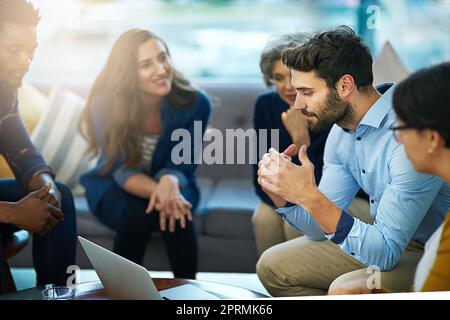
[138,186]
[272,111]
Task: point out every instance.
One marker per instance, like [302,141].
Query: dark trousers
[125,213]
[55,251]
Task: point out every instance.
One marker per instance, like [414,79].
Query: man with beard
[34,201]
[332,74]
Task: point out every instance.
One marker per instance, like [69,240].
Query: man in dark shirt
[33,201]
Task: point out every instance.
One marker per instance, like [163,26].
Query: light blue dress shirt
[405,204]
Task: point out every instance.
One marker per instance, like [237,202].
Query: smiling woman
[136,103]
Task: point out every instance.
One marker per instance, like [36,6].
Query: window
[222,40]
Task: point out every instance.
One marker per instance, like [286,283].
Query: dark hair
[422,100]
[18,11]
[273,48]
[333,54]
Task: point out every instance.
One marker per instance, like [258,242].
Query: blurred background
[221,40]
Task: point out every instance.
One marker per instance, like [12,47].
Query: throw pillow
[388,67]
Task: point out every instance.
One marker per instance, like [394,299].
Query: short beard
[333,110]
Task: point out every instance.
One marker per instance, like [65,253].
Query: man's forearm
[322,209]
[299,141]
[5,212]
[39,180]
[278,202]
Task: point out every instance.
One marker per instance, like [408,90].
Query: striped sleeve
[15,145]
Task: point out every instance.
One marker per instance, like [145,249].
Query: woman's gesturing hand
[168,200]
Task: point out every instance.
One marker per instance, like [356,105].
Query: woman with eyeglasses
[422,105]
[272,112]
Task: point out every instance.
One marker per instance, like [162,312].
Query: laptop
[126,280]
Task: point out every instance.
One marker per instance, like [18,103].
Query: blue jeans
[125,213]
[55,251]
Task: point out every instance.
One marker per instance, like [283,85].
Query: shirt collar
[378,111]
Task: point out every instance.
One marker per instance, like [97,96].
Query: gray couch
[223,219]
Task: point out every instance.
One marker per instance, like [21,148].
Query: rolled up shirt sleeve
[122,174]
[343,228]
[301,220]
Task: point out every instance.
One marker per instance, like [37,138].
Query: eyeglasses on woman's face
[396,129]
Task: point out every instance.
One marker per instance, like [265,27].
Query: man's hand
[277,200]
[34,214]
[54,195]
[285,179]
[297,127]
[297,184]
[355,286]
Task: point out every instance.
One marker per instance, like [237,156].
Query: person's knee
[256,219]
[266,268]
[65,192]
[261,219]
[133,218]
[187,231]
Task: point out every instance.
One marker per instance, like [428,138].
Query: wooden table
[94,290]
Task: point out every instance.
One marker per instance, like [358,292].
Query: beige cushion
[388,66]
